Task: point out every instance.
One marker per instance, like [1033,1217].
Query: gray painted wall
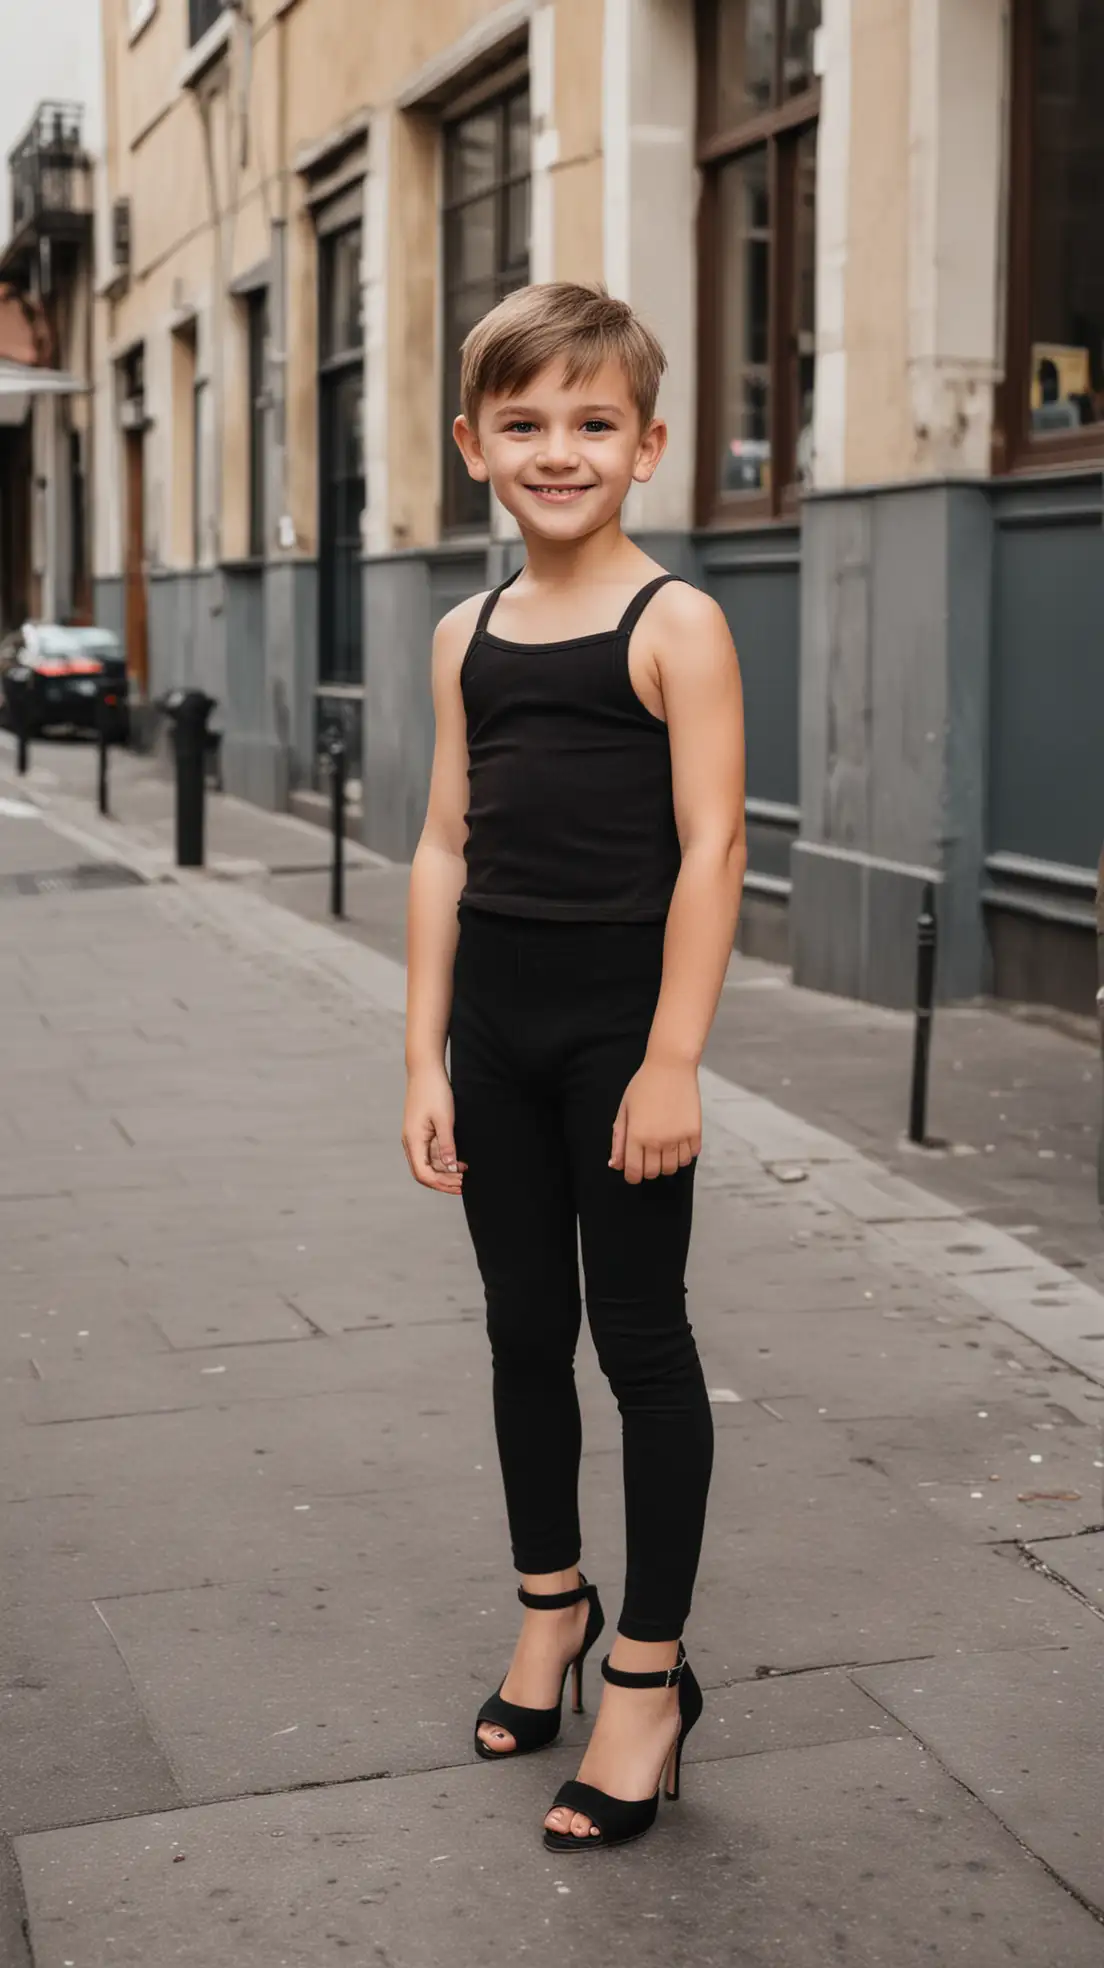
[405,596]
[894,659]
[109,606]
[247,635]
[1046,726]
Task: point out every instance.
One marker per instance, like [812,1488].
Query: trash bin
[189,711]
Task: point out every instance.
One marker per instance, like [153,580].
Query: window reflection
[804,296]
[744,56]
[1067,265]
[745,244]
[802,21]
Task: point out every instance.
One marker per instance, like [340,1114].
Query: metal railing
[202,15]
[50,172]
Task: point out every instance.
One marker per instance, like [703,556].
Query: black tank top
[571,816]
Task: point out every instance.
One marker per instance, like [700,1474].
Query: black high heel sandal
[535,1728]
[619,1819]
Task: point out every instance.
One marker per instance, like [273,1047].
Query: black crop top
[571,815]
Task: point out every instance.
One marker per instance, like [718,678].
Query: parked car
[70,670]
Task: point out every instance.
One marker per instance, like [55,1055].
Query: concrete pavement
[252,1524]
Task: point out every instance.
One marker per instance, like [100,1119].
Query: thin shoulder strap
[490,602]
[640,602]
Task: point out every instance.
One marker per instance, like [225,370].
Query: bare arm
[436,881]
[659,1127]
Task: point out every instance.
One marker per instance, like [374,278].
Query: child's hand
[658,1126]
[428,1137]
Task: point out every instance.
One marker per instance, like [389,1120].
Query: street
[256,1574]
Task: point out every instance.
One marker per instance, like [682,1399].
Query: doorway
[341,486]
[136,619]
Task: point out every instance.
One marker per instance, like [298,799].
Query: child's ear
[652,446]
[471,449]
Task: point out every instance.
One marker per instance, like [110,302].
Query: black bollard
[336,751]
[925,1001]
[189,711]
[102,744]
[20,682]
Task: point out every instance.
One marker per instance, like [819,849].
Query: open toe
[505,1728]
[560,1820]
[499,1741]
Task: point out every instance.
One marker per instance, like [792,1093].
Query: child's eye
[522,426]
[596,424]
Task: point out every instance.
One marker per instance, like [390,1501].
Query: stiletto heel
[536,1728]
[615,1820]
[674,1772]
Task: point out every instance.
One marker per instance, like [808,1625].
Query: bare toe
[580,1827]
[558,1820]
[496,1739]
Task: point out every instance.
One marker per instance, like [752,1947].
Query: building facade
[865,231]
[51,130]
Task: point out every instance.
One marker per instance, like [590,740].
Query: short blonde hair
[558,320]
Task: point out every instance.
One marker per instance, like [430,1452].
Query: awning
[20,381]
[23,379]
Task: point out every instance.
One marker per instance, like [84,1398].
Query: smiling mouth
[558,494]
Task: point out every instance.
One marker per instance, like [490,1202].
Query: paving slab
[77,1744]
[230,1317]
[996,1470]
[220,1376]
[866,1362]
[811,1560]
[857,1852]
[1024,1733]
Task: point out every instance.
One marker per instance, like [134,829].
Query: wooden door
[137,641]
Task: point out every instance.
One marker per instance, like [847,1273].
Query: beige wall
[878,433]
[207,186]
[910,218]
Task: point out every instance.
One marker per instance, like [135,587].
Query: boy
[585,824]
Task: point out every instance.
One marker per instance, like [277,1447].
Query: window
[1052,402]
[200,500]
[757,108]
[341,444]
[256,333]
[202,15]
[486,221]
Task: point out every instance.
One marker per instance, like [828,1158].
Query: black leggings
[549,1024]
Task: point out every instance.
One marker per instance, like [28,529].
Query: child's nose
[558,452]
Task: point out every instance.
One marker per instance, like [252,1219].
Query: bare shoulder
[690,630]
[455,630]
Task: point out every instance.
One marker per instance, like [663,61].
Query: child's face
[561,459]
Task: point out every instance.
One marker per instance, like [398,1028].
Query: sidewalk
[252,1521]
[1016,1102]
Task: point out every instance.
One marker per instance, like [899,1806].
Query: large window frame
[256,335]
[466,506]
[1016,448]
[777,130]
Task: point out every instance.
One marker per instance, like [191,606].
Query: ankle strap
[666,1677]
[555,1602]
